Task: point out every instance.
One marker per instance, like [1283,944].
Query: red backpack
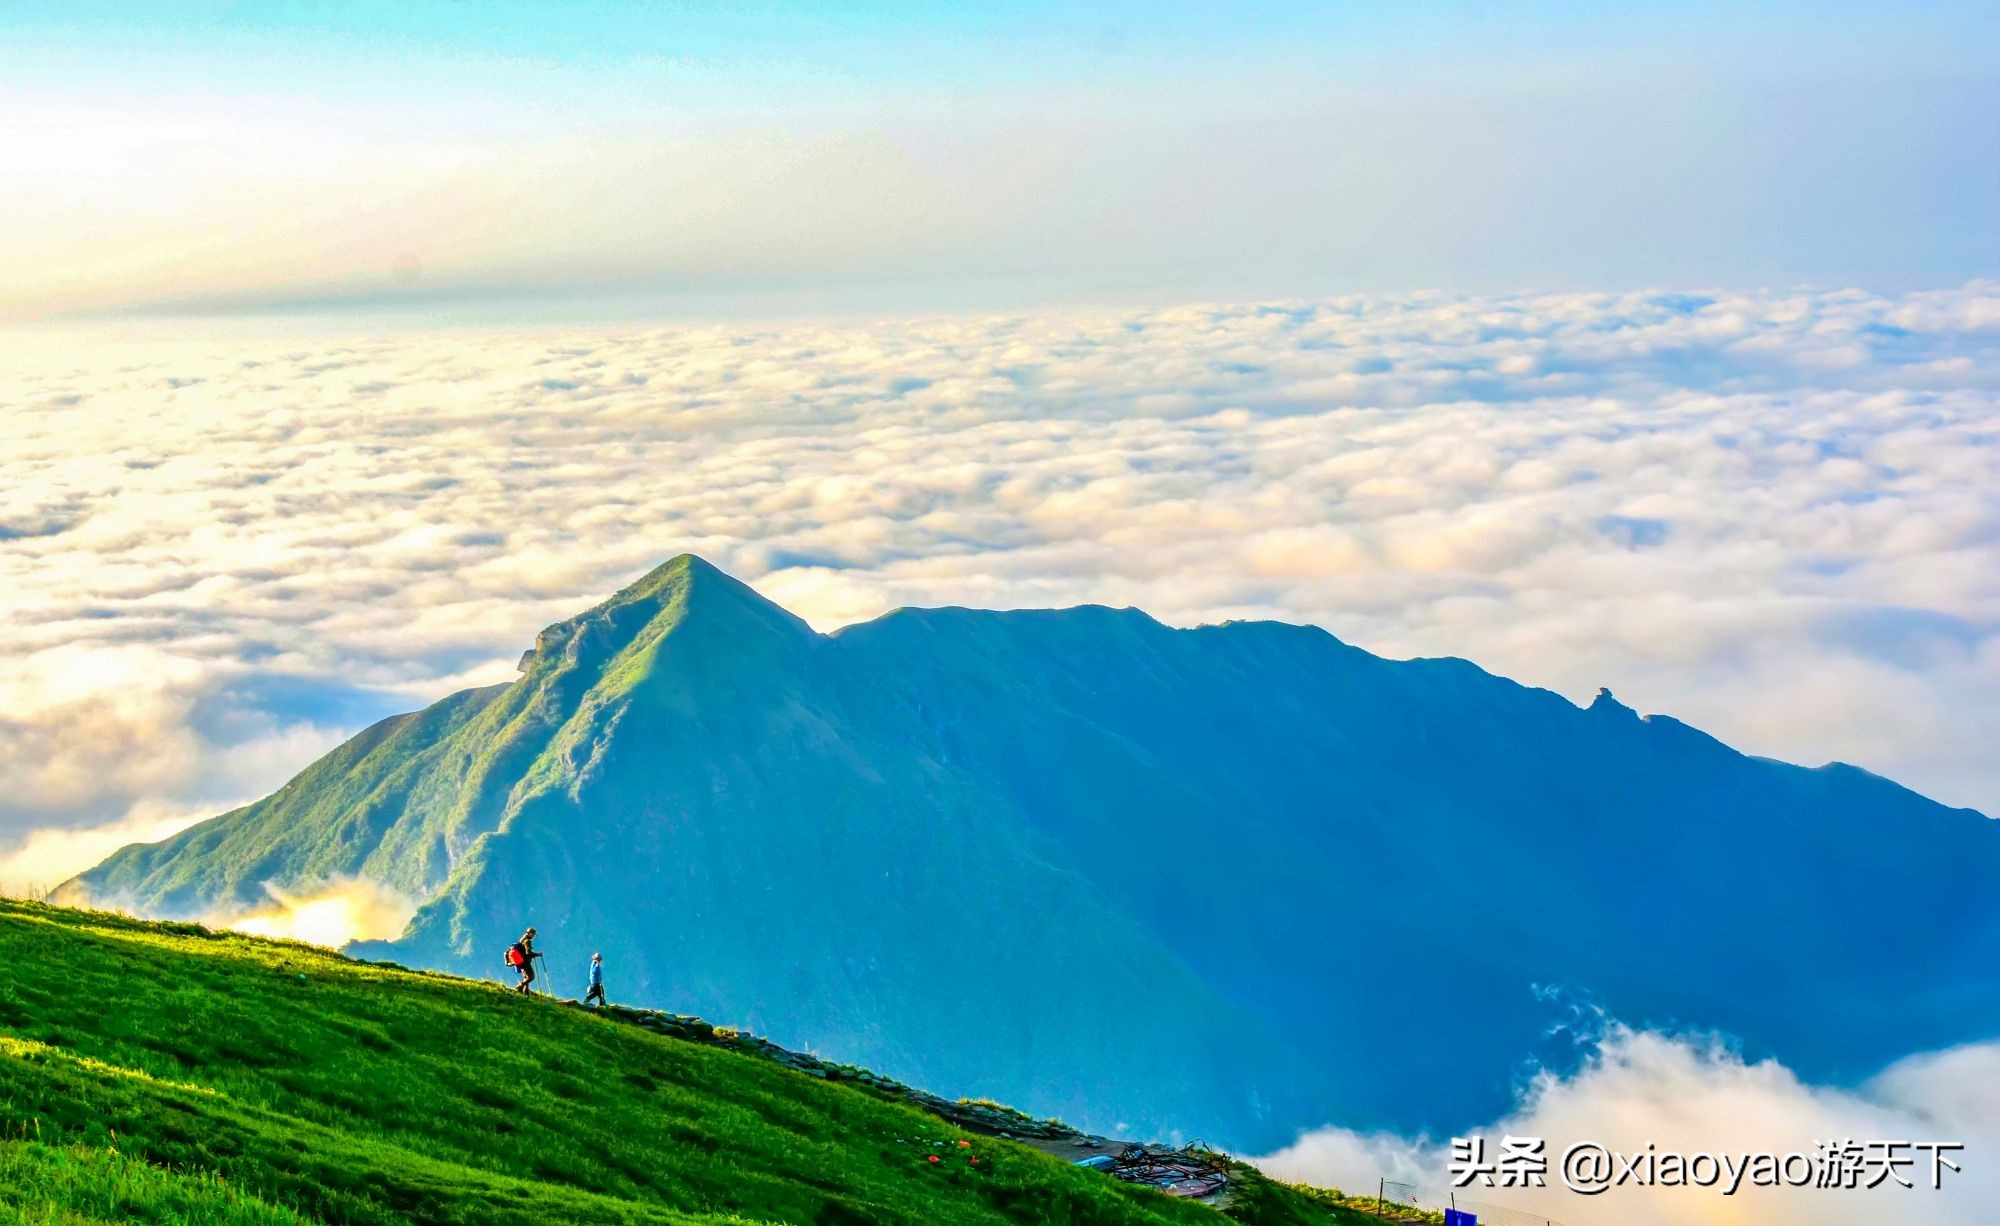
[517,957]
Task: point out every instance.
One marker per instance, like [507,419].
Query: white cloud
[85,722]
[1688,1096]
[219,554]
[334,914]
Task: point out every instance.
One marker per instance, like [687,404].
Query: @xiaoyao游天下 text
[1589,1168]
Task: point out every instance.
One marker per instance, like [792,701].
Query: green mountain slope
[1236,880]
[672,780]
[159,1072]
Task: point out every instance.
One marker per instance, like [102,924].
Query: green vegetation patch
[163,1073]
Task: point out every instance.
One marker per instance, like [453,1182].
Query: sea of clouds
[1774,515]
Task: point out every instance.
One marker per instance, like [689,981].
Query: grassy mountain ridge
[153,1071]
[1230,879]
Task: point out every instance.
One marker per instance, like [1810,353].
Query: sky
[574,162]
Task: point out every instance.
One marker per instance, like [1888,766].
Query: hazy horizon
[186,159]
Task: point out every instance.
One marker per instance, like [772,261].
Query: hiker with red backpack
[521,956]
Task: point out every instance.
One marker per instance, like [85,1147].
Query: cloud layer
[1771,514]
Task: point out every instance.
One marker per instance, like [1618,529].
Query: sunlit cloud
[332,915]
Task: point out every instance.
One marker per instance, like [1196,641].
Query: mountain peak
[683,589]
[706,590]
[680,566]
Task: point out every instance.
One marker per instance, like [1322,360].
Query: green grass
[45,1185]
[163,1073]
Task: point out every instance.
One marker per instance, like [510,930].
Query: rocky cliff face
[1233,880]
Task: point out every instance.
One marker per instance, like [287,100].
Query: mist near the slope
[332,915]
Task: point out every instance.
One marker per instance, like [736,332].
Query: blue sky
[887,39]
[537,158]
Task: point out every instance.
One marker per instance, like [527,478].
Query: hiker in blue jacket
[596,992]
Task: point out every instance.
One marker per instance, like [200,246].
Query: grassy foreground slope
[160,1072]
